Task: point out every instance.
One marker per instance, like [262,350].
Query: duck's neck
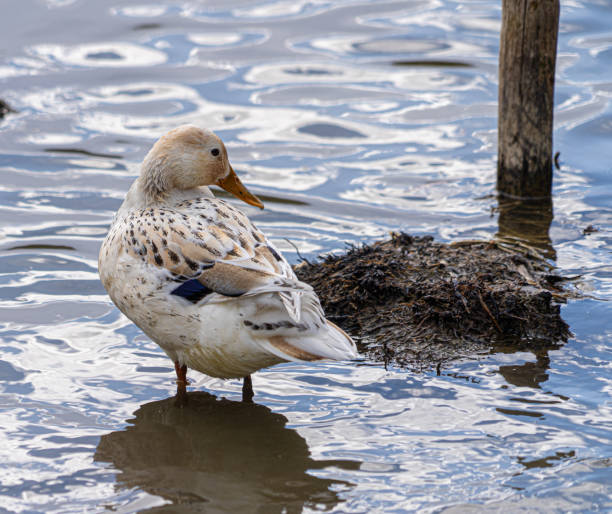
[153,181]
[136,197]
[139,198]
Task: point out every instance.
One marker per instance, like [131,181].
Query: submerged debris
[5,108]
[414,302]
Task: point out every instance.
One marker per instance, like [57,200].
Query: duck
[200,279]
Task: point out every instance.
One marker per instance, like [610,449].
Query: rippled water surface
[350,118]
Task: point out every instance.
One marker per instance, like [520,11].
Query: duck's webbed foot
[247,390]
[181,383]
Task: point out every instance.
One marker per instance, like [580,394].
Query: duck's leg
[181,383]
[247,390]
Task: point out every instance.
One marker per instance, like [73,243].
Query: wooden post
[528,50]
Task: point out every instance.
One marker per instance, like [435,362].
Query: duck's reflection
[230,456]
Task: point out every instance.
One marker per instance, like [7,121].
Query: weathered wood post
[527,57]
[528,51]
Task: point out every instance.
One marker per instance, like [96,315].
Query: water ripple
[350,119]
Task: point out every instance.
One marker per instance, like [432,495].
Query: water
[335,115]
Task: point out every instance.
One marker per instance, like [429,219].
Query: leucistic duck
[200,279]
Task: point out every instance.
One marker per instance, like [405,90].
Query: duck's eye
[215,151]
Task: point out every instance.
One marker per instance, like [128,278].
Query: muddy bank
[414,302]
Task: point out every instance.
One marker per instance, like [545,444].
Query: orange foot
[181,383]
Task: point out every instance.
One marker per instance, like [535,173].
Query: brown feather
[297,353]
[191,244]
[230,280]
[265,253]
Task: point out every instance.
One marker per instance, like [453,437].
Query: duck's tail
[330,342]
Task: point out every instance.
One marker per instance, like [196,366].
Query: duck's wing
[206,245]
[211,252]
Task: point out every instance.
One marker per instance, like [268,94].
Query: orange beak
[232,184]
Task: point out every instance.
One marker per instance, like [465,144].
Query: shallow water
[350,119]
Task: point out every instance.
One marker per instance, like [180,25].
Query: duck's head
[189,157]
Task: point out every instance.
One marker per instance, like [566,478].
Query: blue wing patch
[192,290]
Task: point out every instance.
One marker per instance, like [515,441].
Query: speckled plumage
[250,311]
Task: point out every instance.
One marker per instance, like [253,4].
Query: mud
[413,302]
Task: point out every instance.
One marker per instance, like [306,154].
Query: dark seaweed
[415,303]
